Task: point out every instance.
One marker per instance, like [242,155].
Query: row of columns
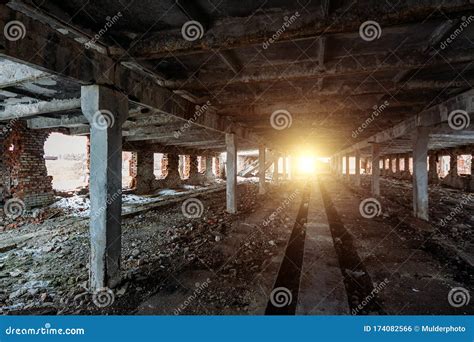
[106,110]
[420,170]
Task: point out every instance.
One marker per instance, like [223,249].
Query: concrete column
[106,110]
[453,163]
[231,165]
[407,163]
[375,185]
[357,168]
[433,169]
[145,177]
[420,173]
[209,173]
[194,176]
[275,168]
[261,170]
[173,178]
[283,161]
[397,164]
[348,173]
[222,171]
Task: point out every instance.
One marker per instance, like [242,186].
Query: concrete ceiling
[320,71]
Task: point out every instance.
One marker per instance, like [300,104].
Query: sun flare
[306,164]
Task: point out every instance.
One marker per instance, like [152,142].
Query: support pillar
[172,178]
[209,173]
[145,177]
[275,168]
[433,169]
[375,185]
[231,164]
[420,173]
[348,173]
[261,170]
[283,161]
[194,176]
[357,168]
[106,110]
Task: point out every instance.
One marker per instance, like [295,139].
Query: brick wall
[25,167]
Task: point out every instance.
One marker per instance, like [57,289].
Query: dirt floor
[310,239]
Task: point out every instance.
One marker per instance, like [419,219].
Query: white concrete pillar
[231,173]
[275,168]
[283,161]
[209,170]
[357,168]
[420,173]
[261,170]
[375,185]
[106,110]
[348,172]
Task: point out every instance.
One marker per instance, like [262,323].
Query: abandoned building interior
[309,157]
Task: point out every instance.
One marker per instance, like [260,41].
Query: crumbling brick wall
[24,165]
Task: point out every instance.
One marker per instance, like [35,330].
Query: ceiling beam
[50,51]
[20,111]
[258,28]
